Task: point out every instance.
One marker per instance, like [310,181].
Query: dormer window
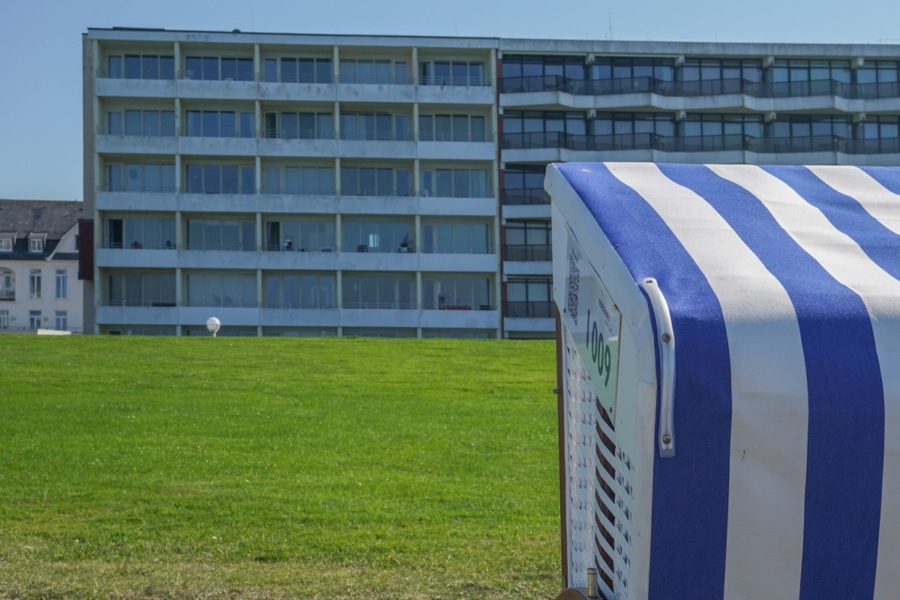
[36,244]
[6,244]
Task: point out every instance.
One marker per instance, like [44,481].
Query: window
[136,177]
[454,73]
[214,123]
[4,319]
[35,244]
[62,284]
[369,126]
[456,292]
[141,66]
[34,319]
[377,236]
[455,183]
[299,290]
[375,181]
[6,244]
[214,68]
[222,289]
[382,72]
[302,180]
[222,234]
[152,123]
[141,289]
[524,184]
[7,285]
[221,179]
[456,238]
[529,298]
[379,290]
[452,128]
[297,70]
[299,125]
[34,283]
[62,320]
[307,235]
[528,241]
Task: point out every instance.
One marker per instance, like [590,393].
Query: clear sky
[40,42]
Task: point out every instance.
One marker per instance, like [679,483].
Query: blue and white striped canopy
[783,284]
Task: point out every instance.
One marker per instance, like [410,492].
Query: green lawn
[140,467]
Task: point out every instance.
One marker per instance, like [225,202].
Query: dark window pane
[229,69]
[212,179]
[323,71]
[270,69]
[133,122]
[193,67]
[289,126]
[350,181]
[460,75]
[194,124]
[227,125]
[367,185]
[248,180]
[210,68]
[210,123]
[195,179]
[151,122]
[306,70]
[385,182]
[247,129]
[132,67]
[115,67]
[150,67]
[167,67]
[245,69]
[229,179]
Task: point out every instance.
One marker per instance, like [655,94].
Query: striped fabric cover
[784,288]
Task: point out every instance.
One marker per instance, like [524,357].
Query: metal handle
[665,345]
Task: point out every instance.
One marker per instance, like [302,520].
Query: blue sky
[40,42]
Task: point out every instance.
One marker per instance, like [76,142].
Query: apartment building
[39,277]
[380,185]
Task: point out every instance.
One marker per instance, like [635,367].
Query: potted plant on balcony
[404,245]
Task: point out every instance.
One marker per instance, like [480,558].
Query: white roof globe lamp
[213,324]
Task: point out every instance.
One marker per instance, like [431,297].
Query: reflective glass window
[132,67]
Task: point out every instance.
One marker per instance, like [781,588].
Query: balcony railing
[537,309]
[380,305]
[527,252]
[712,87]
[525,196]
[467,80]
[706,143]
[7,295]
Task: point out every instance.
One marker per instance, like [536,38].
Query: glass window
[151,123]
[227,124]
[270,69]
[150,67]
[167,67]
[132,67]
[193,67]
[245,69]
[210,68]
[133,124]
[289,126]
[323,71]
[247,128]
[115,67]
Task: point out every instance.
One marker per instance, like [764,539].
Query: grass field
[272,468]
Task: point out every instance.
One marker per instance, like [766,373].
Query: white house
[39,285]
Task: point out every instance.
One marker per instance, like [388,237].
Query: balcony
[525,196]
[687,89]
[528,252]
[708,143]
[534,309]
[7,295]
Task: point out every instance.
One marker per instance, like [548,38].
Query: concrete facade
[378,185]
